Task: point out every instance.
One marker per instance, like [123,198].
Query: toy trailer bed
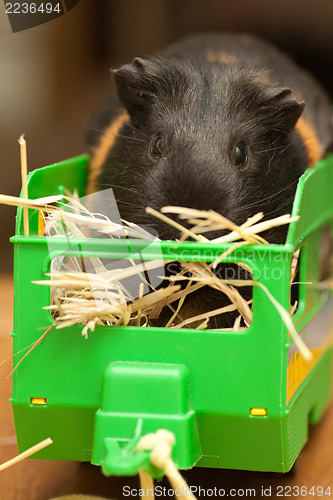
[239,400]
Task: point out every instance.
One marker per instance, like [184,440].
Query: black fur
[204,109]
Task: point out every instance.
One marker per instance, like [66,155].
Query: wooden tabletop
[42,480]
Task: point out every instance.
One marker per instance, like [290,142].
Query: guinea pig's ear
[284,108]
[133,84]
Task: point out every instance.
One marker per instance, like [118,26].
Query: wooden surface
[42,480]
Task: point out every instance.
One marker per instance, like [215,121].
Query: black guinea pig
[222,122]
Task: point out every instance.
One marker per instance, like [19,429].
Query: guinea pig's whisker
[119,203]
[317,134]
[128,137]
[128,203]
[275,149]
[131,190]
[115,135]
[136,129]
[272,196]
[271,158]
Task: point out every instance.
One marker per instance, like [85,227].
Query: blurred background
[52,76]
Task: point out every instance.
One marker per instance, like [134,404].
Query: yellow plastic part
[38,401]
[41,223]
[258,412]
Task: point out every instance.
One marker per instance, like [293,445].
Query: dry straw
[24,175]
[101,298]
[90,308]
[27,453]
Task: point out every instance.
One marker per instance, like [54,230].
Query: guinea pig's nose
[172,232]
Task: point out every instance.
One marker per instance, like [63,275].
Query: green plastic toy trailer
[240,400]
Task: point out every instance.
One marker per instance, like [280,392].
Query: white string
[160,444]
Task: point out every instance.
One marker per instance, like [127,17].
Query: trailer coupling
[138,399]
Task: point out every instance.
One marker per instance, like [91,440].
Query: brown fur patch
[222,57]
[310,140]
[106,142]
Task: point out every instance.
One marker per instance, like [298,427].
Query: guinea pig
[223,122]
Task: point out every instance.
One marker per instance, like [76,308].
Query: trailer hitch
[132,406]
[122,459]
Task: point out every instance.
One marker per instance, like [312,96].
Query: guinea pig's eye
[158,146]
[241,157]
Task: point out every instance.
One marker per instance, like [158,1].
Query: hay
[202,221]
[208,220]
[24,176]
[199,273]
[100,298]
[27,453]
[92,301]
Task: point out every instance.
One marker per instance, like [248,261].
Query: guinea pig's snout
[190,185]
[167,231]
